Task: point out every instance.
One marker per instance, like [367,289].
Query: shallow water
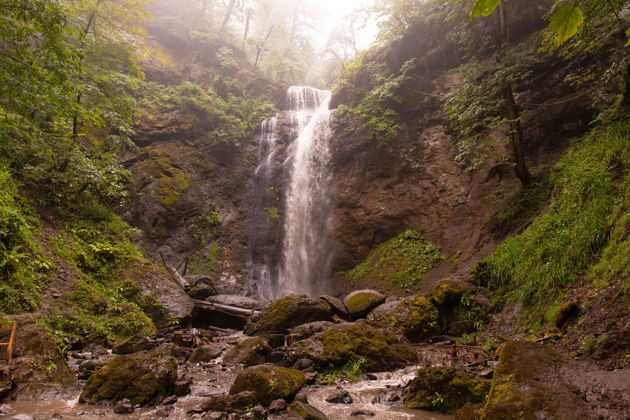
[380,396]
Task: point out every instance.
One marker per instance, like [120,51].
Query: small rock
[259,412]
[251,351]
[169,400]
[5,410]
[303,364]
[277,406]
[311,377]
[123,407]
[133,345]
[302,397]
[340,397]
[205,354]
[21,417]
[371,377]
[362,413]
[215,415]
[306,411]
[182,387]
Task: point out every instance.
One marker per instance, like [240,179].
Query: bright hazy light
[332,14]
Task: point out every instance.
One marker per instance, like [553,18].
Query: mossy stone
[526,386]
[360,302]
[269,382]
[251,351]
[444,389]
[143,378]
[380,348]
[449,292]
[204,353]
[286,313]
[416,317]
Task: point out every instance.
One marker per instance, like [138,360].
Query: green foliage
[526,204]
[230,117]
[558,246]
[205,262]
[476,107]
[402,260]
[206,226]
[348,372]
[565,23]
[484,8]
[24,268]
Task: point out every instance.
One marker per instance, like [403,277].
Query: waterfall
[290,247]
[307,225]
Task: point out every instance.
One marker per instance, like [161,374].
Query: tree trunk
[516,137]
[228,14]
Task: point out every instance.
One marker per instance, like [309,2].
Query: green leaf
[484,8]
[565,22]
[628,36]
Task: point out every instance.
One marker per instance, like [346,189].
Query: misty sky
[336,10]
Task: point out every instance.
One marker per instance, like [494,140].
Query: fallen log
[232,310]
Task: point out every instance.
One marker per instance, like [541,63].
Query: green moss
[171,185]
[143,378]
[286,313]
[416,317]
[205,264]
[269,382]
[586,209]
[444,389]
[379,349]
[524,207]
[403,260]
[251,351]
[358,303]
[273,212]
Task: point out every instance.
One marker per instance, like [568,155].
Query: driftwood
[175,275]
[232,310]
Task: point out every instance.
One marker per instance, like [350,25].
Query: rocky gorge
[378,246]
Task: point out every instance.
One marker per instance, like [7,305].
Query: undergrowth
[403,260]
[586,223]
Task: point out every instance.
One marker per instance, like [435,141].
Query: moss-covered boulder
[378,348]
[360,302]
[38,371]
[288,312]
[449,292]
[528,384]
[133,345]
[444,389]
[416,317]
[461,311]
[144,378]
[251,351]
[306,411]
[269,382]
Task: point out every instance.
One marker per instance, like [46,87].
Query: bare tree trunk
[516,137]
[261,47]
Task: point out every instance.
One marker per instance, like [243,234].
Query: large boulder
[416,317]
[337,306]
[360,302]
[144,378]
[378,348]
[38,371]
[528,383]
[449,292]
[288,312]
[444,389]
[269,383]
[307,330]
[157,282]
[251,351]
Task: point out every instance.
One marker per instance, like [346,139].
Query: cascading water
[306,247]
[298,261]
